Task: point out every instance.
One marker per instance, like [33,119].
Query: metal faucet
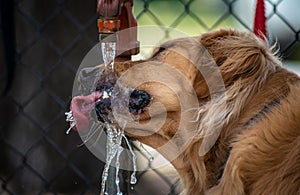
[114,16]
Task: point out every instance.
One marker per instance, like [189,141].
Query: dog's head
[190,88]
[173,88]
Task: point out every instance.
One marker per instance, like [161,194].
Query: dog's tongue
[81,107]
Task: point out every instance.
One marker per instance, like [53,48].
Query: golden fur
[258,149]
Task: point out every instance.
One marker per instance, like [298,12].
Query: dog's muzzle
[138,100]
[101,100]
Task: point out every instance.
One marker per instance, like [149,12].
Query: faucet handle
[109,9]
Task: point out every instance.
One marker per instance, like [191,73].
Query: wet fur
[258,150]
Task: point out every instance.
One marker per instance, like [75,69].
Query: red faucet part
[260,28]
[108,26]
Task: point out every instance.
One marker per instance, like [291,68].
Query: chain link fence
[39,62]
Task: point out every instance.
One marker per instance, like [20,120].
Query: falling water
[114,134]
[108,50]
[70,118]
[114,150]
[133,179]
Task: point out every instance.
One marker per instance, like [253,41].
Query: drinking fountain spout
[116,16]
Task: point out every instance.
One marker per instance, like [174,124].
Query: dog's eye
[161,49]
[158,51]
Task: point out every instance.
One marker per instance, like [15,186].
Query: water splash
[70,118]
[113,150]
[133,179]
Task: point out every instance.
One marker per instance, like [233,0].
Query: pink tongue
[81,107]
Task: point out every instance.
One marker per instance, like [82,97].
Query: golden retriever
[231,124]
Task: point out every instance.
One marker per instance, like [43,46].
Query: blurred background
[42,43]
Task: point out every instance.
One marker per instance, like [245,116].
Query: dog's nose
[138,100]
[103,108]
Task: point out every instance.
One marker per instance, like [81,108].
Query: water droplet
[150,156]
[133,179]
[105,95]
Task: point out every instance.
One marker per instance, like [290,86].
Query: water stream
[108,50]
[114,150]
[115,134]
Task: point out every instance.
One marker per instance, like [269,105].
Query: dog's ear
[241,57]
[209,39]
[245,64]
[239,54]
